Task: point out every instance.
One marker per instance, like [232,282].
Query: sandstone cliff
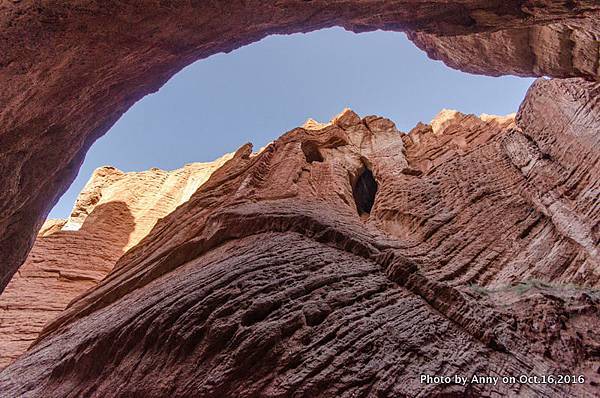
[347,259]
[114,212]
[69,70]
[343,260]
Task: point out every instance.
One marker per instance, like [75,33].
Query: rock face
[345,259]
[113,213]
[348,259]
[68,70]
[555,49]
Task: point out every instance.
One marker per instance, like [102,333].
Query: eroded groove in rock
[69,70]
[364,191]
[257,324]
[267,282]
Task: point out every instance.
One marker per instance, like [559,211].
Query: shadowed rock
[69,70]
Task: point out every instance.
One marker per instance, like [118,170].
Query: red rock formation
[343,260]
[348,259]
[113,213]
[68,70]
[555,49]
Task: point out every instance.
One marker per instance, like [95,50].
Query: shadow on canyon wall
[61,266]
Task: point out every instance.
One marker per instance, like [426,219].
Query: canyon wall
[347,259]
[69,70]
[113,213]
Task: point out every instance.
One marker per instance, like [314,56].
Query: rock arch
[68,71]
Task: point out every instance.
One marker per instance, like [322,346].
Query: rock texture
[555,49]
[68,70]
[113,213]
[348,259]
[345,259]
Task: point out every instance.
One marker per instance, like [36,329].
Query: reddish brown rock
[555,49]
[343,260]
[69,70]
[113,213]
[348,259]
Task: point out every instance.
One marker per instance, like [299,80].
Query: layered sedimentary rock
[69,70]
[113,213]
[348,259]
[556,49]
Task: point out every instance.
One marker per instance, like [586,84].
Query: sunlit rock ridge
[344,259]
[114,211]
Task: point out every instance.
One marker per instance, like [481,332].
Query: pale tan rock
[114,212]
[283,274]
[51,226]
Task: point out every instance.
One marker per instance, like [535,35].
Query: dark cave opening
[311,152]
[364,192]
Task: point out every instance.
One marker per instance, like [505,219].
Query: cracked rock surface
[345,259]
[477,255]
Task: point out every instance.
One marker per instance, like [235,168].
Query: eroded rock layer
[69,70]
[347,259]
[113,213]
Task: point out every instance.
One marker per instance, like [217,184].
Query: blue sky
[260,91]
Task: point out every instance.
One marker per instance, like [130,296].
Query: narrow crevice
[364,191]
